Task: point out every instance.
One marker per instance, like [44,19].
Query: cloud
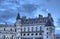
[8,14]
[9,8]
[57,28]
[2,9]
[29,8]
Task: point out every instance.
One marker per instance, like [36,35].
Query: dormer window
[40,16]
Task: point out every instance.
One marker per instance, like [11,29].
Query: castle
[29,28]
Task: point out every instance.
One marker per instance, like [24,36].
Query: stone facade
[32,28]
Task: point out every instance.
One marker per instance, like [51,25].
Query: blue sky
[29,8]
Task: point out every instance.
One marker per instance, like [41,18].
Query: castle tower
[49,28]
[18,27]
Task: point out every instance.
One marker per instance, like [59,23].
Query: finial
[49,15]
[18,16]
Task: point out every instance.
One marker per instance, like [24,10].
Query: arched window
[4,36]
[21,29]
[12,36]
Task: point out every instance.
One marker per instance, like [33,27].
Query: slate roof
[18,17]
[40,19]
[33,20]
[49,23]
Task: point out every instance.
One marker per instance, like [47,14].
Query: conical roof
[18,16]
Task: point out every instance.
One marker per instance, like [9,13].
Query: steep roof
[49,23]
[18,17]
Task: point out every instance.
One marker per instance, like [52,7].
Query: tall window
[21,29]
[12,36]
[32,28]
[4,36]
[36,28]
[28,28]
[21,34]
[24,29]
[40,28]
[47,36]
[47,28]
[15,30]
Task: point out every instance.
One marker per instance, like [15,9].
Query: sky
[29,8]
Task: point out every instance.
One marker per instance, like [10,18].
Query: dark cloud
[9,9]
[29,8]
[6,15]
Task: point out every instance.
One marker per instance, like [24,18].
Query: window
[47,32]
[36,28]
[32,34]
[21,34]
[32,28]
[28,34]
[4,36]
[12,36]
[40,33]
[0,31]
[47,36]
[11,29]
[24,29]
[24,34]
[36,34]
[28,28]
[4,29]
[47,28]
[15,30]
[40,28]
